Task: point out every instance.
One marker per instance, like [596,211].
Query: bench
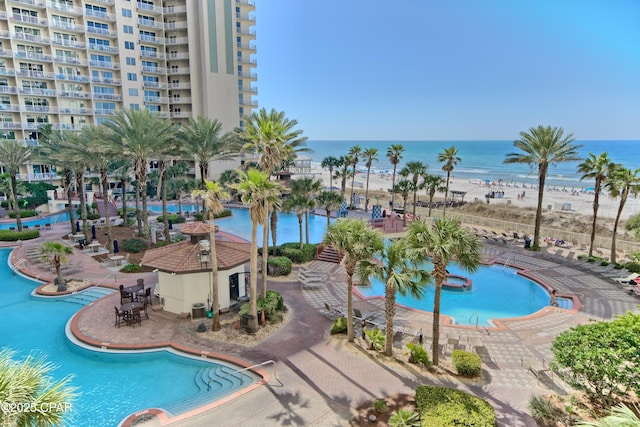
[536,367]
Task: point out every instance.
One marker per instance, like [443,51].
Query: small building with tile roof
[184,270]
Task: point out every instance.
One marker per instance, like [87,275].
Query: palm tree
[444,241]
[619,416]
[330,163]
[12,155]
[257,191]
[416,169]
[370,155]
[394,153]
[433,184]
[542,147]
[622,182]
[449,157]
[343,173]
[122,174]
[331,202]
[298,204]
[212,197]
[404,187]
[308,188]
[141,135]
[354,158]
[399,276]
[30,380]
[597,168]
[202,141]
[56,254]
[357,242]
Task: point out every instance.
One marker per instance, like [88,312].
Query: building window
[129,45]
[126,13]
[134,106]
[133,92]
[132,77]
[128,29]
[131,61]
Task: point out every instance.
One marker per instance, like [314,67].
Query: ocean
[483,160]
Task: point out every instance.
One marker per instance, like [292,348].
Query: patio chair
[624,280]
[119,317]
[134,317]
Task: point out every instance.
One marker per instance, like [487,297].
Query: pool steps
[88,295]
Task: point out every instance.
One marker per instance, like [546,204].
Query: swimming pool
[112,386]
[497,293]
[50,219]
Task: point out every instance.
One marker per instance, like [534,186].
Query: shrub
[404,418]
[339,326]
[132,268]
[93,216]
[178,238]
[604,263]
[134,245]
[591,259]
[581,257]
[441,406]
[277,297]
[633,267]
[278,266]
[292,251]
[225,213]
[13,236]
[418,355]
[174,218]
[543,411]
[376,338]
[24,213]
[467,364]
[379,406]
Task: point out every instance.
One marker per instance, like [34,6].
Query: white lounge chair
[623,280]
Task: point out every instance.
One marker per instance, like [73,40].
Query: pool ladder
[478,328]
[246,369]
[15,266]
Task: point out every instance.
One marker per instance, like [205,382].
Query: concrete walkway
[322,379]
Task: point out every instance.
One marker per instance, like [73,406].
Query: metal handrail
[243,370]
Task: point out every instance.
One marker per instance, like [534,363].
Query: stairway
[329,254]
[113,209]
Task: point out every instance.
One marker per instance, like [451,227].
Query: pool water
[111,386]
[497,293]
[50,219]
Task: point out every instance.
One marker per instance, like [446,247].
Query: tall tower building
[75,62]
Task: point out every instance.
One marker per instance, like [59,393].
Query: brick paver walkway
[321,379]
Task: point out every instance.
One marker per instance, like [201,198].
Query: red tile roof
[184,257]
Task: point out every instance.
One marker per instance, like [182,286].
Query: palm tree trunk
[83,202]
[68,182]
[404,215]
[330,179]
[163,196]
[215,303]
[306,226]
[300,229]
[123,183]
[393,182]
[265,252]
[415,195]
[105,204]
[440,272]
[353,181]
[596,200]
[366,193]
[253,279]
[274,230]
[328,217]
[623,200]
[14,196]
[536,231]
[430,202]
[350,334]
[446,194]
[143,195]
[138,213]
[390,312]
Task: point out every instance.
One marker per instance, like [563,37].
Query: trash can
[527,243]
[197,310]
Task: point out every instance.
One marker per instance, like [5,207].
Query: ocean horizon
[481,159]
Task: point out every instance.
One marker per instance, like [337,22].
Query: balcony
[250,3]
[251,32]
[30,37]
[72,78]
[177,40]
[7,71]
[151,39]
[181,114]
[65,8]
[35,74]
[102,32]
[152,54]
[3,14]
[245,17]
[180,25]
[249,90]
[154,70]
[67,126]
[178,86]
[179,70]
[154,85]
[33,125]
[99,15]
[104,80]
[4,34]
[70,60]
[67,26]
[39,109]
[171,10]
[76,111]
[10,107]
[69,43]
[32,56]
[178,55]
[246,75]
[163,114]
[74,94]
[8,89]
[105,111]
[156,99]
[246,47]
[247,61]
[150,24]
[39,4]
[181,100]
[29,19]
[248,103]
[149,8]
[6,53]
[103,48]
[108,96]
[10,125]
[109,2]
[104,64]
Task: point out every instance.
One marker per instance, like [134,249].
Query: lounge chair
[624,280]
[536,367]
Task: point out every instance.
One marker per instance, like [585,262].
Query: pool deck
[323,379]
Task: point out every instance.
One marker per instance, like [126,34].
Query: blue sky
[451,69]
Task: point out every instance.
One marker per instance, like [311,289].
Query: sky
[451,69]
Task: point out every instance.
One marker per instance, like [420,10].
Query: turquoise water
[497,292]
[112,386]
[483,159]
[51,219]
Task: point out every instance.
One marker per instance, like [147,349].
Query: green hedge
[441,406]
[134,245]
[278,266]
[13,236]
[293,252]
[633,267]
[24,213]
[174,218]
[467,364]
[339,326]
[132,268]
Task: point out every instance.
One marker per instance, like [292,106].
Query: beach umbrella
[116,249]
[77,226]
[93,232]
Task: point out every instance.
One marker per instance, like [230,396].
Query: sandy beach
[560,199]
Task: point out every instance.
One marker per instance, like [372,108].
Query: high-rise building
[75,62]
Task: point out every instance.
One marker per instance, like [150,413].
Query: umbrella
[93,232]
[170,225]
[77,226]
[116,249]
